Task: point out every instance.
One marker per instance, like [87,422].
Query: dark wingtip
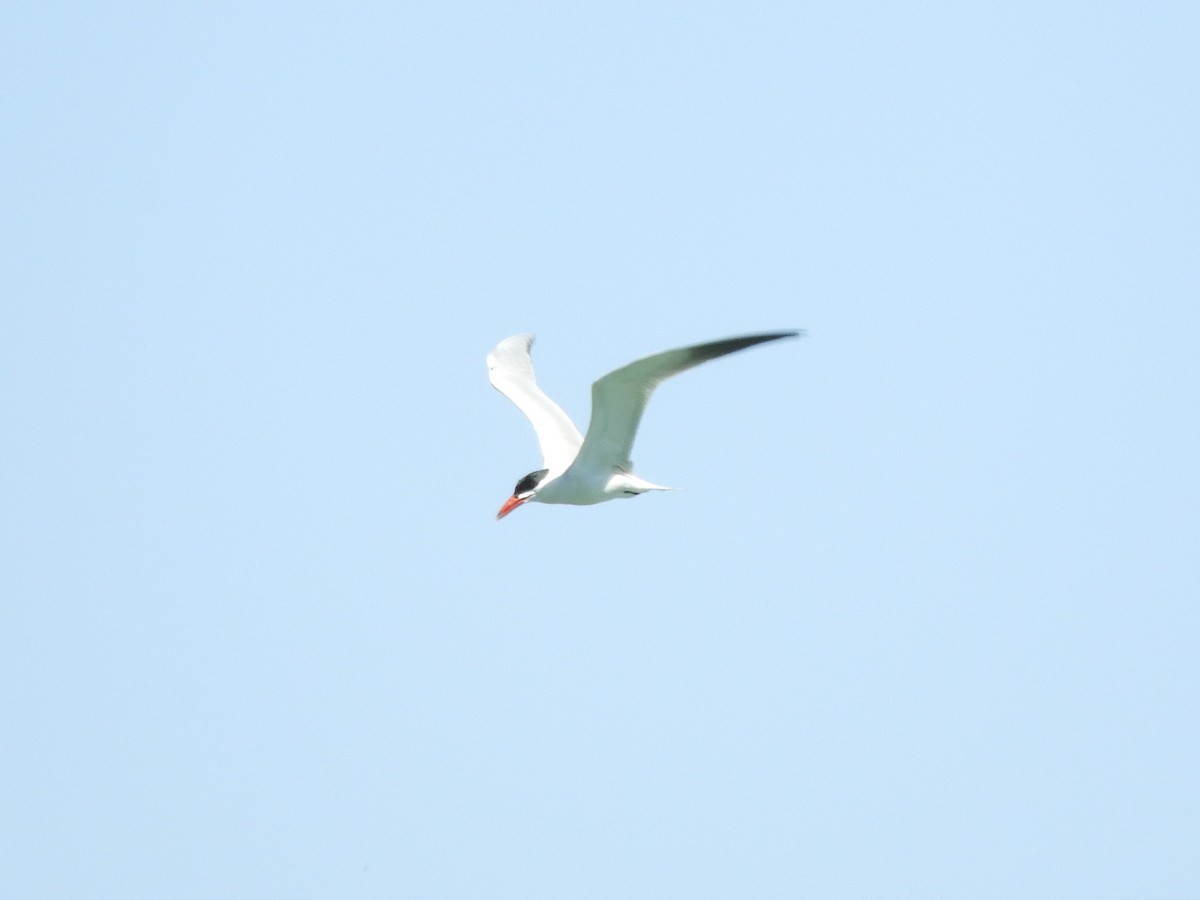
[704,352]
[763,337]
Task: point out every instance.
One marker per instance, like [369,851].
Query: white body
[583,487]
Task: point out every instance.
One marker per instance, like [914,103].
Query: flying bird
[585,470]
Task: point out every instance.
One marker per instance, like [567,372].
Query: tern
[584,470]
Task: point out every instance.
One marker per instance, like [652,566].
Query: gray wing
[620,397]
[510,370]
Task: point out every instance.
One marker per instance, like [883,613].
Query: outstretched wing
[620,397]
[510,370]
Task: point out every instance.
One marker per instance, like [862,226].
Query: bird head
[524,491]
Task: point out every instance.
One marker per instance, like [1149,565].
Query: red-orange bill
[509,505]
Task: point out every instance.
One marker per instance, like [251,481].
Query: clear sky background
[924,621]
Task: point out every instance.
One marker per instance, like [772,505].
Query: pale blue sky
[924,621]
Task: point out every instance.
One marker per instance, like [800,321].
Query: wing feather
[510,370]
[620,397]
